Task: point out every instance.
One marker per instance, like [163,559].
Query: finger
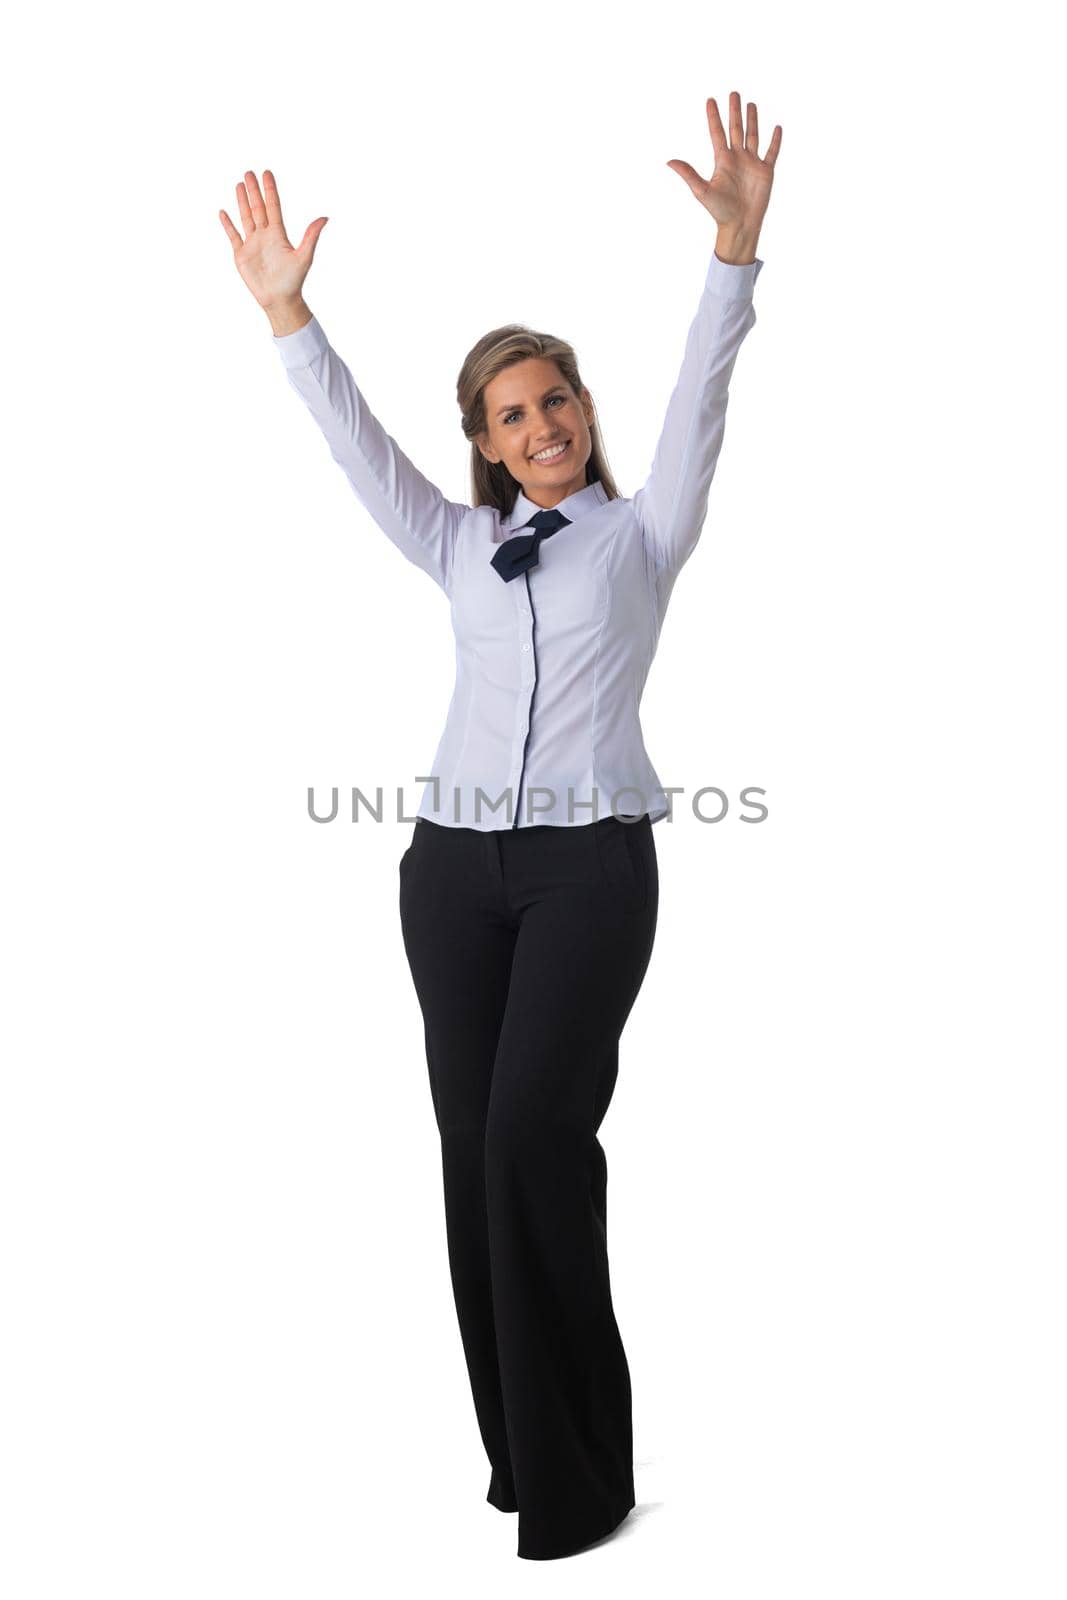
[774,147]
[231,232]
[272,199]
[248,222]
[715,128]
[736,136]
[259,210]
[752,129]
[692,177]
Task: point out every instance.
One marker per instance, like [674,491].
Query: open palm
[738,191]
[271,267]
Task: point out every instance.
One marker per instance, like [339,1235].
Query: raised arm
[671,505]
[408,508]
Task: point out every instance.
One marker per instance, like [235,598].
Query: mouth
[552,455]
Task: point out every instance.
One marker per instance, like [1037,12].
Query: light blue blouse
[544,723]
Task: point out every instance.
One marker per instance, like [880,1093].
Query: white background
[231,1362]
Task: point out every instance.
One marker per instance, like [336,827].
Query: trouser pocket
[622,863]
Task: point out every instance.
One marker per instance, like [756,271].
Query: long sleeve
[671,505]
[409,509]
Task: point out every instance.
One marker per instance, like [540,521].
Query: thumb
[696,183]
[311,238]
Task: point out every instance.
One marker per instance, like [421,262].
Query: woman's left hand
[738,191]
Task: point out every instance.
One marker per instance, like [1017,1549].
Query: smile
[552,453]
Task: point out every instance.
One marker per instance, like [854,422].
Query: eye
[562,398]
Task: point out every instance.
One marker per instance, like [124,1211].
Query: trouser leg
[459,946]
[584,942]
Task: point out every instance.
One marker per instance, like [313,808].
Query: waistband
[625,818]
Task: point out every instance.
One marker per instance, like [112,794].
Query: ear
[482,441]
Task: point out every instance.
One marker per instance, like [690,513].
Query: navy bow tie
[522,550]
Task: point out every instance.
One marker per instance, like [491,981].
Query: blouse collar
[573,506]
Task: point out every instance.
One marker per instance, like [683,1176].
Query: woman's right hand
[267,262]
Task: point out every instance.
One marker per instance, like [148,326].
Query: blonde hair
[491,482]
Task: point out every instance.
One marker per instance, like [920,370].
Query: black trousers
[527,947]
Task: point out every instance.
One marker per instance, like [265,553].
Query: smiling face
[530,411]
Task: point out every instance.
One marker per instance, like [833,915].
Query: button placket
[545,523]
[528,677]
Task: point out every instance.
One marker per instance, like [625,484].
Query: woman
[528,893]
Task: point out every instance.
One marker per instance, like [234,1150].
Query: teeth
[549,455]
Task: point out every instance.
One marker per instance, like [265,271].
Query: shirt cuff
[299,349]
[730,281]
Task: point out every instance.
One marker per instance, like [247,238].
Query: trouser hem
[501,1495]
[548,1549]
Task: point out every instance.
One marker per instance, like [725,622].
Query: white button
[526,647]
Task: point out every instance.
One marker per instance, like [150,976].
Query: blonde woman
[528,893]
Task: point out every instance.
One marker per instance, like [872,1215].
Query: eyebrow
[504,409]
